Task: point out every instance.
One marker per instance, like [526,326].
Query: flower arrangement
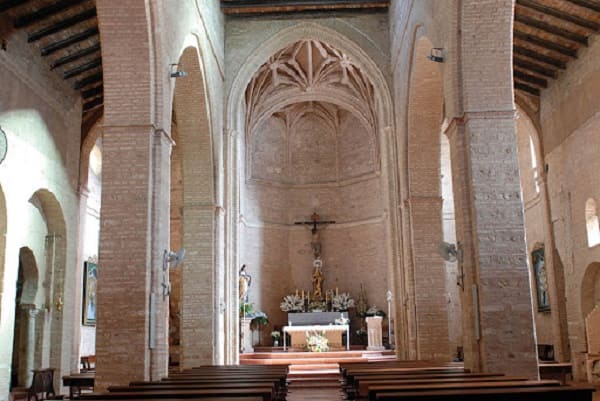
[292,303]
[317,342]
[342,302]
[317,306]
[375,311]
[276,335]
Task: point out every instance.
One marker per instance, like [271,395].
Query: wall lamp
[174,73]
[437,55]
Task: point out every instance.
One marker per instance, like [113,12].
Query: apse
[311,146]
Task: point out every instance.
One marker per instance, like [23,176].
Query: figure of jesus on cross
[315,242]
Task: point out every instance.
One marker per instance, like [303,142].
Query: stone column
[246,334]
[496,295]
[30,315]
[374,333]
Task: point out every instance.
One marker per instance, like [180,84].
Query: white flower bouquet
[317,342]
[342,302]
[292,303]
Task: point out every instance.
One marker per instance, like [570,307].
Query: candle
[296,292]
[336,292]
[308,295]
[303,293]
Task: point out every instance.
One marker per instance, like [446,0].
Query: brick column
[429,278]
[133,236]
[497,311]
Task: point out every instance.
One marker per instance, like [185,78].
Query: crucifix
[315,222]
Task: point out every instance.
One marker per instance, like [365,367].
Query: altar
[333,332]
[299,324]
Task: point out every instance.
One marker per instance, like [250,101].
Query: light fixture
[170,259]
[454,253]
[175,73]
[437,55]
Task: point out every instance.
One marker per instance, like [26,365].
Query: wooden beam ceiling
[233,7]
[547,35]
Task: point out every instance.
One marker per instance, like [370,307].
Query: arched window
[534,165]
[591,220]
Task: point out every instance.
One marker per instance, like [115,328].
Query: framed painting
[90,281]
[541,279]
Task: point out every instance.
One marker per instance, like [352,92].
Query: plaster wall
[41,116]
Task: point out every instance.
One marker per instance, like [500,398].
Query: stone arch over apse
[194,220]
[238,127]
[425,275]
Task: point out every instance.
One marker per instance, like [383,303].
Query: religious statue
[244,282]
[315,240]
[317,280]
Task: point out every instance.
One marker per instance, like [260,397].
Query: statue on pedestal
[317,280]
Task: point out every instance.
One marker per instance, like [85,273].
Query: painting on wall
[90,280]
[541,279]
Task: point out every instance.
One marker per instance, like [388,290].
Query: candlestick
[336,292]
[303,293]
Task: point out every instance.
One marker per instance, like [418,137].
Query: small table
[76,381]
[324,328]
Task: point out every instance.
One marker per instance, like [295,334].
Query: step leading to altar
[306,359]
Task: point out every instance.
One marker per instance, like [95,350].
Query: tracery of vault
[310,118]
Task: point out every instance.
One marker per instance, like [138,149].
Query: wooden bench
[558,393]
[265,393]
[78,381]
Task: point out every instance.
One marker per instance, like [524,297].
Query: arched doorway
[25,333]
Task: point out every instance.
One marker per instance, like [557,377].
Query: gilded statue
[317,280]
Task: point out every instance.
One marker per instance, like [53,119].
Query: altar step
[313,360]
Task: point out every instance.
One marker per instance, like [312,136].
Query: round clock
[3,145]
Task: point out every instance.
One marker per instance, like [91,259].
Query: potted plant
[259,319]
[275,335]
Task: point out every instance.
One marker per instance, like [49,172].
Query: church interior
[205,183]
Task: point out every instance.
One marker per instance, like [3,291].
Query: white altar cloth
[325,328]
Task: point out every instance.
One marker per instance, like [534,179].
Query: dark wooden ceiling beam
[87,106]
[532,79]
[527,88]
[45,12]
[534,23]
[90,79]
[582,22]
[80,69]
[528,65]
[284,6]
[523,51]
[75,56]
[92,92]
[545,43]
[8,4]
[590,4]
[71,40]
[61,25]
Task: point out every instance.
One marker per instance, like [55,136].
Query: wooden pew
[265,393]
[77,381]
[557,393]
[377,390]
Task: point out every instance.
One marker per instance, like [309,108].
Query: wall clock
[3,145]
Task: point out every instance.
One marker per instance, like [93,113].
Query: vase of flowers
[342,302]
[316,342]
[275,335]
[292,303]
